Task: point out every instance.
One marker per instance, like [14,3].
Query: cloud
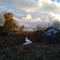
[2,20]
[33,12]
[28,17]
[33,5]
[55,17]
[2,8]
[27,5]
[49,5]
[28,21]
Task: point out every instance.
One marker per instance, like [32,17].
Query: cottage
[50,31]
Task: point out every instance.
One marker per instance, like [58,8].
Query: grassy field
[34,51]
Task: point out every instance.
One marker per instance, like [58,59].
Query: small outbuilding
[50,31]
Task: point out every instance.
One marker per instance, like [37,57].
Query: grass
[34,51]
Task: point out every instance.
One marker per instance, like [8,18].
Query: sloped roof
[51,31]
[51,28]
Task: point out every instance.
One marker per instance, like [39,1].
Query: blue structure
[50,31]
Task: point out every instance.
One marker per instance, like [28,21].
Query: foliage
[21,30]
[10,24]
[1,29]
[56,24]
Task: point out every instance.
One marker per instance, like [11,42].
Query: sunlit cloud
[32,13]
[28,17]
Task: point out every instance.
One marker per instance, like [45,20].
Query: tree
[9,24]
[21,30]
[56,24]
[1,29]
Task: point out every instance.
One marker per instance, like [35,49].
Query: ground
[34,51]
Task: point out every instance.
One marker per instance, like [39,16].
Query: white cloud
[27,5]
[32,5]
[32,22]
[41,12]
[49,5]
[2,8]
[29,22]
[2,20]
[29,17]
[55,17]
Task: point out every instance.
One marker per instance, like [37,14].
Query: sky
[32,13]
